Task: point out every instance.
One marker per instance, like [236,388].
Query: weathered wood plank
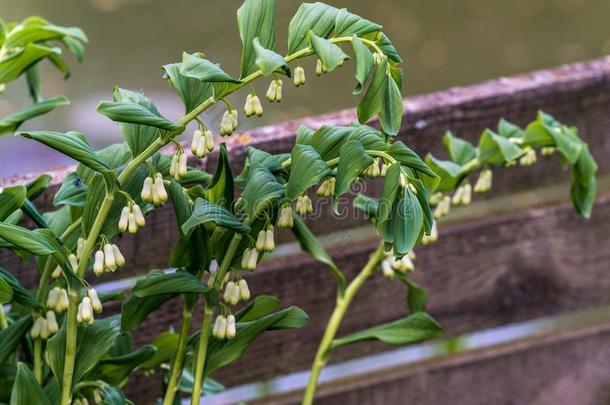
[505,269]
[563,368]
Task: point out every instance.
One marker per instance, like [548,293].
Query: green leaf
[159,283]
[206,213]
[37,186]
[256,19]
[138,136]
[262,190]
[460,150]
[11,337]
[115,370]
[497,150]
[347,23]
[330,54]
[221,353]
[6,292]
[407,223]
[210,386]
[364,63]
[135,310]
[409,158]
[21,295]
[15,64]
[366,204]
[327,140]
[417,297]
[11,122]
[566,141]
[195,66]
[26,390]
[318,18]
[260,306]
[307,169]
[583,196]
[256,157]
[71,144]
[93,342]
[221,189]
[191,91]
[268,61]
[11,199]
[388,48]
[39,242]
[586,167]
[132,113]
[310,244]
[73,192]
[509,130]
[449,173]
[352,161]
[389,191]
[414,328]
[37,29]
[390,116]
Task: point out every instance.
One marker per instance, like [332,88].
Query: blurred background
[444,43]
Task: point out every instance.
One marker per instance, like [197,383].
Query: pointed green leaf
[460,150]
[132,113]
[72,192]
[11,199]
[195,66]
[115,370]
[412,329]
[388,48]
[364,63]
[497,150]
[71,144]
[21,295]
[27,390]
[389,191]
[316,17]
[16,63]
[352,161]
[407,222]
[268,61]
[135,310]
[11,122]
[307,169]
[417,297]
[448,172]
[256,19]
[390,116]
[39,242]
[191,91]
[348,23]
[405,155]
[262,190]
[206,213]
[158,282]
[221,188]
[509,130]
[330,54]
[12,336]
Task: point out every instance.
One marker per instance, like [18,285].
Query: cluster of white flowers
[373,170]
[484,181]
[264,241]
[304,205]
[87,306]
[286,219]
[433,237]
[327,188]
[44,326]
[548,150]
[153,190]
[299,76]
[224,327]
[320,68]
[72,258]
[253,106]
[390,264]
[131,218]
[249,259]
[274,93]
[463,195]
[236,291]
[178,167]
[84,401]
[57,300]
[529,158]
[229,122]
[202,143]
[443,204]
[108,259]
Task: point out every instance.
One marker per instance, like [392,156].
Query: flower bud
[548,150]
[228,294]
[320,68]
[406,264]
[244,258]
[140,220]
[231,328]
[433,237]
[260,240]
[209,140]
[271,91]
[86,311]
[377,57]
[327,189]
[244,291]
[36,328]
[269,242]
[529,158]
[386,269]
[73,262]
[160,188]
[299,76]
[220,326]
[173,167]
[197,135]
[258,107]
[286,217]
[80,245]
[147,187]
[97,397]
[53,298]
[96,304]
[182,165]
[44,329]
[483,183]
[467,196]
[201,149]
[98,264]
[403,180]
[109,259]
[457,197]
[57,272]
[278,90]
[62,301]
[252,259]
[124,219]
[249,106]
[52,325]
[118,256]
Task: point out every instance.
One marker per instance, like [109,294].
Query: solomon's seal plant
[57,345]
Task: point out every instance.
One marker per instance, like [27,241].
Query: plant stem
[3,323]
[38,356]
[202,350]
[343,302]
[207,319]
[66,385]
[176,368]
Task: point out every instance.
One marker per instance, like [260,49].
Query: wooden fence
[526,257]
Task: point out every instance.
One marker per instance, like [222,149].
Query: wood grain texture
[564,368]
